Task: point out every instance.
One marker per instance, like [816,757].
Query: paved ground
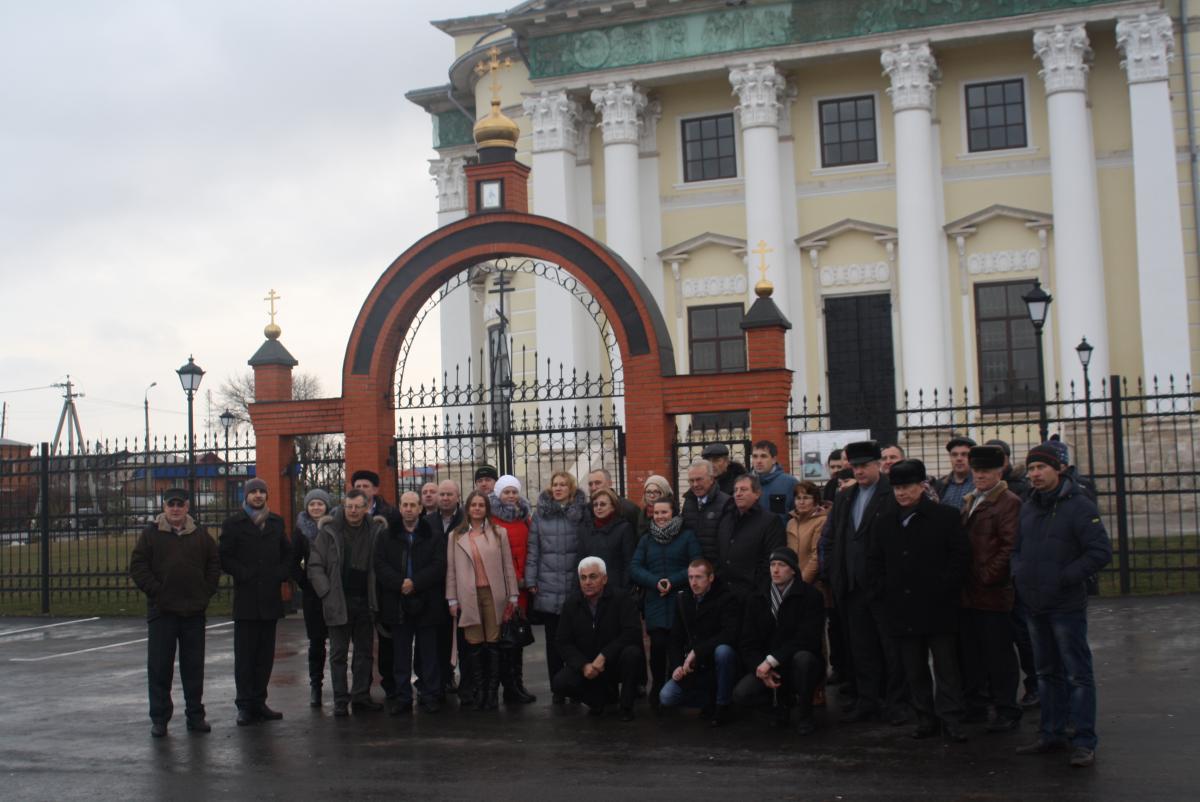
[73,726]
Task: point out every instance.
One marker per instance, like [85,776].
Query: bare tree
[317,455]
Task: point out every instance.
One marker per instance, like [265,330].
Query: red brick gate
[654,395]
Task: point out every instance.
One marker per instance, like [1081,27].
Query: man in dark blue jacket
[1060,542]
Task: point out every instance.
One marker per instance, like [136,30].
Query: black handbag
[517,632]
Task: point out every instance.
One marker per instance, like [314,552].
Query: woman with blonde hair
[481,589]
[550,561]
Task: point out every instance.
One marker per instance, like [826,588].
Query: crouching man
[700,653]
[599,638]
[781,641]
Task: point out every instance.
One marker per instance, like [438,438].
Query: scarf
[777,597]
[600,523]
[306,525]
[259,517]
[664,535]
[510,512]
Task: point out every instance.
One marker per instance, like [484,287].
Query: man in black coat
[377,505]
[919,560]
[846,539]
[254,550]
[725,470]
[745,551]
[701,653]
[175,564]
[599,638]
[442,521]
[707,511]
[410,567]
[782,632]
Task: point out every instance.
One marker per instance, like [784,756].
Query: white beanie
[506,481]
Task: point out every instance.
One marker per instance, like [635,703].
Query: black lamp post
[1037,303]
[190,376]
[227,419]
[1084,350]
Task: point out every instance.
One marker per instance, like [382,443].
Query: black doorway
[861,368]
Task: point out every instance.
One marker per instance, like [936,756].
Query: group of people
[746,590]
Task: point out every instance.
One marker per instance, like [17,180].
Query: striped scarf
[777,597]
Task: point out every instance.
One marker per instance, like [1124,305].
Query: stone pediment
[965,226]
[681,250]
[820,238]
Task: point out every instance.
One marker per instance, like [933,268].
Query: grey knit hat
[317,494]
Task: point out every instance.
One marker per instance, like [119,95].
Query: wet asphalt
[73,725]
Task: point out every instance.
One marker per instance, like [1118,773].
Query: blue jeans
[1064,670]
[696,690]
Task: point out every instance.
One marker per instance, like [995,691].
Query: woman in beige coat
[804,537]
[481,588]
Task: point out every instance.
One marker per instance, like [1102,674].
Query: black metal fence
[68,522]
[1137,443]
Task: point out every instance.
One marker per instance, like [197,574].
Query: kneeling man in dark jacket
[781,642]
[600,641]
[700,653]
[918,562]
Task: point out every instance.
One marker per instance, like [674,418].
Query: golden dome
[496,130]
[272,331]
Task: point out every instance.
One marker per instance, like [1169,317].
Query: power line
[30,389]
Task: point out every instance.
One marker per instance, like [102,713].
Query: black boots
[512,676]
[314,695]
[470,669]
[489,681]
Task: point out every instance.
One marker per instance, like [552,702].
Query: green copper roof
[753,27]
[451,128]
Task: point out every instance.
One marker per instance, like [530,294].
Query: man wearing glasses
[175,563]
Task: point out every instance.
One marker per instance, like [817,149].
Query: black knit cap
[959,440]
[370,476]
[786,555]
[907,472]
[986,457]
[486,471]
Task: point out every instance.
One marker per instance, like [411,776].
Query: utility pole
[149,478]
[69,417]
[3,418]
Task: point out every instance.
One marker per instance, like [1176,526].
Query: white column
[1079,306]
[759,88]
[923,313]
[619,107]
[1148,45]
[460,321]
[648,199]
[791,263]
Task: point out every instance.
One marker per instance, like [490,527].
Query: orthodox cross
[272,297]
[503,287]
[761,251]
[493,64]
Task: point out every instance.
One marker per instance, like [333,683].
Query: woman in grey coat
[550,561]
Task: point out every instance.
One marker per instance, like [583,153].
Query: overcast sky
[164,163]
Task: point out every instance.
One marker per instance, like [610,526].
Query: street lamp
[227,419]
[1037,303]
[190,376]
[149,480]
[1084,350]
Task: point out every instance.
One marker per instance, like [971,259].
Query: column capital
[583,138]
[619,106]
[913,71]
[451,181]
[554,119]
[758,87]
[1148,46]
[1064,53]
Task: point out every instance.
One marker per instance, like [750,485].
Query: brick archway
[653,393]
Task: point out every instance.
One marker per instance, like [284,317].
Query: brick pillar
[648,429]
[273,453]
[766,331]
[370,431]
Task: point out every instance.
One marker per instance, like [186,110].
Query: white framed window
[848,138]
[995,117]
[708,149]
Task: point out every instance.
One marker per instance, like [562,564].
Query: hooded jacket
[550,562]
[1061,541]
[325,563]
[178,573]
[778,491]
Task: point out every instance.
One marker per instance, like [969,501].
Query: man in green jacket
[175,564]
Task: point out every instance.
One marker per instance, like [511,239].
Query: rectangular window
[848,131]
[716,342]
[708,148]
[996,116]
[1007,345]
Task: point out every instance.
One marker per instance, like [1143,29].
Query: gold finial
[763,288]
[272,331]
[495,130]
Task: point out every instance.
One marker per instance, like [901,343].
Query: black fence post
[44,522]
[1118,437]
